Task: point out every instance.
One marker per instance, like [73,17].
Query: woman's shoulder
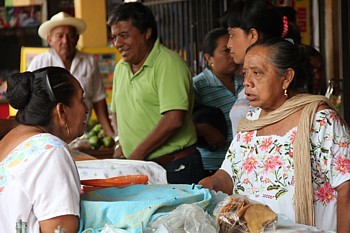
[41,142]
[326,117]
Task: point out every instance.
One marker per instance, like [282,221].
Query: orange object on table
[118,181]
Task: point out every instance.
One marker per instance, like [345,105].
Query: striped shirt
[211,92]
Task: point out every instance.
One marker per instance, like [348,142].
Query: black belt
[165,159]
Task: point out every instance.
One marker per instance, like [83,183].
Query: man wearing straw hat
[62,33]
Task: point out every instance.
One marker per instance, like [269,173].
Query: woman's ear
[61,113]
[288,77]
[208,59]
[253,35]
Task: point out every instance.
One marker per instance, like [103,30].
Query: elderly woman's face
[263,84]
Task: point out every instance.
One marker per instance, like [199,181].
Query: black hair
[210,40]
[140,16]
[259,14]
[283,54]
[35,94]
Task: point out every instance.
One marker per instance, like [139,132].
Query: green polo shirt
[162,84]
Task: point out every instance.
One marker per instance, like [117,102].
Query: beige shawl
[303,196]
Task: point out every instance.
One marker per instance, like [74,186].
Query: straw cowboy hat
[61,19]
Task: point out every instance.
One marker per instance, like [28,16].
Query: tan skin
[62,115]
[222,64]
[259,77]
[134,48]
[63,39]
[239,41]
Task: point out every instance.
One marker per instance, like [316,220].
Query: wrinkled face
[131,43]
[77,111]
[63,40]
[238,43]
[221,59]
[263,84]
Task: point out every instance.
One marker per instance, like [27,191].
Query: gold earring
[285,93]
[68,130]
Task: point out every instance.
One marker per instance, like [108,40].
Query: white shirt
[84,68]
[239,110]
[38,181]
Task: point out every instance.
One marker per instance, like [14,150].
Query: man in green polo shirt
[153,97]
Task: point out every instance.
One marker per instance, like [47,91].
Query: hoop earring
[68,130]
[285,93]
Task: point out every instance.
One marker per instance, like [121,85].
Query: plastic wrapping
[239,214]
[189,218]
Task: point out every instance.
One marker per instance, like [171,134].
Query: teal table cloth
[132,208]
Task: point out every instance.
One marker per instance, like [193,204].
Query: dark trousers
[186,170]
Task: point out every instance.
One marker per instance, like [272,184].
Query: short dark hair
[35,94]
[283,54]
[210,40]
[259,14]
[140,16]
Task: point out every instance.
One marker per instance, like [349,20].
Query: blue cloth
[133,207]
[211,92]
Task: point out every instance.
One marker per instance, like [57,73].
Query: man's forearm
[167,126]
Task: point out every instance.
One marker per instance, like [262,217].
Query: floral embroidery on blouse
[30,147]
[263,165]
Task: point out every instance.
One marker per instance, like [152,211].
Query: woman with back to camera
[292,151]
[39,182]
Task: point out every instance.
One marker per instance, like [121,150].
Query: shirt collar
[151,58]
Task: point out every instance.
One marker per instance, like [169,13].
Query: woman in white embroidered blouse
[39,182]
[269,159]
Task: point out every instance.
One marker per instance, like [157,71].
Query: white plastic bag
[111,229]
[186,218]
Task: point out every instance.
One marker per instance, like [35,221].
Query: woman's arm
[70,224]
[220,181]
[343,207]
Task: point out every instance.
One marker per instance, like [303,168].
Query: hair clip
[285,26]
[49,89]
